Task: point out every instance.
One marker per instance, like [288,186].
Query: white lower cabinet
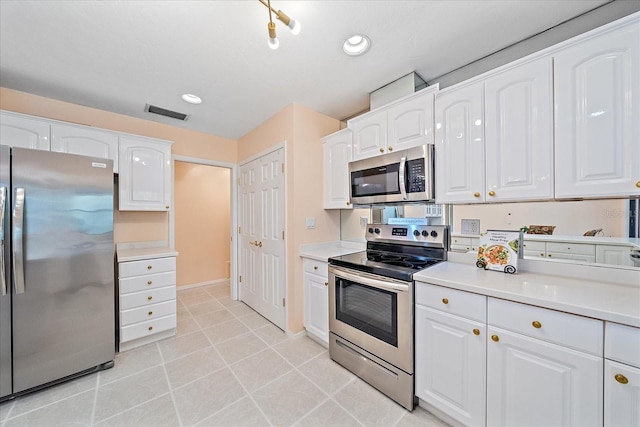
[147,300]
[316,300]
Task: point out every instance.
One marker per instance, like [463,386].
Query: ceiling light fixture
[191,98]
[293,25]
[356,45]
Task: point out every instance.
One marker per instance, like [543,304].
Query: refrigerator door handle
[3,201]
[18,250]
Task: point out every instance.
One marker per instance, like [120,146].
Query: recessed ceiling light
[356,45]
[191,98]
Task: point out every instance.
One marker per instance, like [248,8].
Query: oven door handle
[401,177]
[364,280]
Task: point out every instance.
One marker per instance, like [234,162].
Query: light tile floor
[227,366]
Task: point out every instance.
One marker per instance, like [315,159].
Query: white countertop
[324,251]
[136,251]
[596,240]
[616,302]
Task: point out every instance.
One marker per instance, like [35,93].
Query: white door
[411,123]
[621,395]
[534,383]
[316,306]
[519,133]
[24,132]
[85,142]
[597,88]
[460,145]
[451,364]
[262,259]
[337,155]
[369,135]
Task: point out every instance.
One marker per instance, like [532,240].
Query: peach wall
[301,129]
[128,226]
[202,209]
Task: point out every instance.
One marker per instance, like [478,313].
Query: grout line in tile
[166,377]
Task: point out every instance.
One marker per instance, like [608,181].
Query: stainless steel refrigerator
[57,306]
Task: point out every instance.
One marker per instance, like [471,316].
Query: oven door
[374,313]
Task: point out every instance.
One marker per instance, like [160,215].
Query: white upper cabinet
[403,124]
[21,131]
[459,141]
[519,133]
[145,174]
[85,141]
[336,150]
[597,97]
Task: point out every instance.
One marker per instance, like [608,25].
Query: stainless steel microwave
[401,176]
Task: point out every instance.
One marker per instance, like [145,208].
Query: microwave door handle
[3,201]
[401,177]
[18,248]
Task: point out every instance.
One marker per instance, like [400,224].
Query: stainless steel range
[371,310]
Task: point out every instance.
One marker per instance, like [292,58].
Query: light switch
[311,223]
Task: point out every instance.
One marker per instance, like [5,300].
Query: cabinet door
[24,132]
[519,133]
[145,175]
[571,256]
[316,306]
[450,364]
[597,88]
[531,382]
[337,155]
[369,135]
[85,142]
[410,123]
[460,145]
[613,255]
[621,395]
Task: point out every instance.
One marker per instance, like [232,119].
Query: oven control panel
[423,235]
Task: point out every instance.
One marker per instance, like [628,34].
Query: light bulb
[273,40]
[274,43]
[294,26]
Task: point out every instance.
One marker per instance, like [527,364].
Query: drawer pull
[549,255]
[149,267]
[445,300]
[150,328]
[621,379]
[150,313]
[536,324]
[326,283]
[149,282]
[149,297]
[476,332]
[315,267]
[541,254]
[476,194]
[382,150]
[492,193]
[495,338]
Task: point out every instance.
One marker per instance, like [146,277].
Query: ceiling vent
[164,112]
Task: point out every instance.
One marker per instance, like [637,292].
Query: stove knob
[425,233]
[434,233]
[370,230]
[416,233]
[377,230]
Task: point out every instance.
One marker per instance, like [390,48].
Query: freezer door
[5,280]
[63,311]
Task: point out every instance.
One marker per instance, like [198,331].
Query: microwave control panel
[415,176]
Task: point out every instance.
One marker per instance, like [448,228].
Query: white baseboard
[197,285]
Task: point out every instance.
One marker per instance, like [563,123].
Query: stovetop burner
[398,251]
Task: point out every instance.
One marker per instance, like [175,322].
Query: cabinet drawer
[150,327]
[149,312]
[316,267]
[144,298]
[571,248]
[569,330]
[461,241]
[529,245]
[622,343]
[148,281]
[452,301]
[147,266]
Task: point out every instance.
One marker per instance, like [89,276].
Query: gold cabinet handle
[149,267]
[549,255]
[167,207]
[326,283]
[445,300]
[492,193]
[149,282]
[621,379]
[541,254]
[495,338]
[150,313]
[536,324]
[476,332]
[150,328]
[348,203]
[476,194]
[149,297]
[638,184]
[382,150]
[315,267]
[390,148]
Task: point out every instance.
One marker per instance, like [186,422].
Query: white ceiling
[119,55]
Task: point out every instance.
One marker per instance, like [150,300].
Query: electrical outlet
[364,221]
[311,223]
